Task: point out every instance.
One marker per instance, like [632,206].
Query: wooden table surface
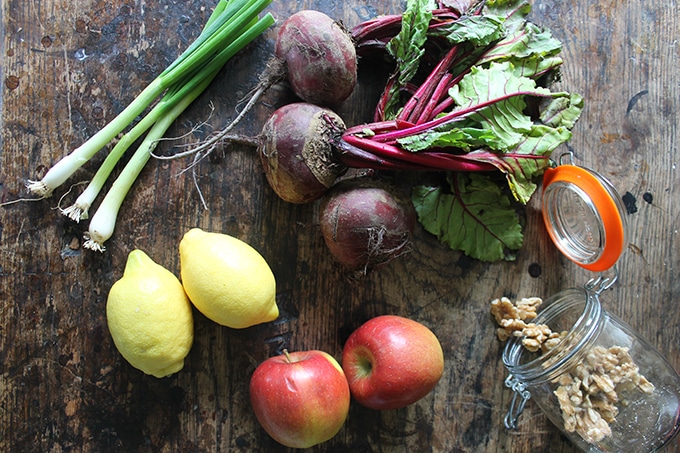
[68,67]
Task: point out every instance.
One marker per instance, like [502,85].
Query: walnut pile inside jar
[589,396]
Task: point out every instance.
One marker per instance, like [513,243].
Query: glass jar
[602,384]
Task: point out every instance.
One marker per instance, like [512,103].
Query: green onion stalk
[79,210]
[170,107]
[104,220]
[232,25]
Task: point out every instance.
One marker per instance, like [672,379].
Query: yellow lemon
[227,280]
[150,317]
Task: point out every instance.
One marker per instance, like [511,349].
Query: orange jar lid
[584,216]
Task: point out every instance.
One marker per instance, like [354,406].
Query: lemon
[150,317]
[227,280]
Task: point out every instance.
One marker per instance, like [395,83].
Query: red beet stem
[414,107]
[375,33]
[393,136]
[440,91]
[357,157]
[422,161]
[447,102]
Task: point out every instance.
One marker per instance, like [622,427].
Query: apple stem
[285,352]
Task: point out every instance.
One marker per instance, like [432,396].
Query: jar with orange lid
[602,384]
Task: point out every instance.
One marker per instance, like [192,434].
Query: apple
[391,362]
[300,398]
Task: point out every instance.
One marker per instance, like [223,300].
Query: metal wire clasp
[602,282]
[564,158]
[519,399]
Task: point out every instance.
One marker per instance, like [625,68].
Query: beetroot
[296,151]
[315,55]
[365,225]
[319,56]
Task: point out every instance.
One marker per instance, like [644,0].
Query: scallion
[231,22]
[172,105]
[232,25]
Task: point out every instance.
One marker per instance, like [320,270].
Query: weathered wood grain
[68,67]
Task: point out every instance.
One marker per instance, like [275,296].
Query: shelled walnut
[512,317]
[588,396]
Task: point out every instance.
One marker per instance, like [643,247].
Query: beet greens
[468,95]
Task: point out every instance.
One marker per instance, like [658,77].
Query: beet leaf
[474,217]
[478,30]
[407,48]
[502,95]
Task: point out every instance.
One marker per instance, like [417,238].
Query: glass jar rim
[550,364]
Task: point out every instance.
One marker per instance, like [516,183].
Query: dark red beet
[296,151]
[365,225]
[320,58]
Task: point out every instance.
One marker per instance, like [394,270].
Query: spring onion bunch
[232,25]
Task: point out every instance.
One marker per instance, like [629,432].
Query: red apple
[391,362]
[300,398]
